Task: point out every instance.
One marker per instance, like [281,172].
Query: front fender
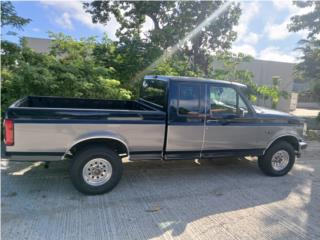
[289,132]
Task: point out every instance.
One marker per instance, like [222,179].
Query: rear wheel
[278,159]
[96,170]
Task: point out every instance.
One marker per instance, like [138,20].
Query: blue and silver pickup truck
[174,118]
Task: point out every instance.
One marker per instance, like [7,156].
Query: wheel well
[113,144]
[289,139]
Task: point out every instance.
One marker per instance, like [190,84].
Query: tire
[96,170]
[282,152]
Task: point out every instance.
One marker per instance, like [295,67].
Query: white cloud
[249,11]
[147,26]
[251,38]
[275,54]
[281,4]
[245,48]
[75,12]
[280,30]
[277,31]
[64,21]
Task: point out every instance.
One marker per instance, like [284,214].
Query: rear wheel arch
[116,145]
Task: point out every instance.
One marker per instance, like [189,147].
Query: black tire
[265,163]
[82,157]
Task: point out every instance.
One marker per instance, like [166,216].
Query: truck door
[229,129]
[185,127]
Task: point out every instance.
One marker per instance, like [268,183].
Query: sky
[262,29]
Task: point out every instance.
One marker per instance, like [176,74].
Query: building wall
[40,45]
[264,71]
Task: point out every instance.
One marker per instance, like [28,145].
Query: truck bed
[61,102]
[46,127]
[35,107]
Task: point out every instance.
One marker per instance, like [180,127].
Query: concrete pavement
[170,200]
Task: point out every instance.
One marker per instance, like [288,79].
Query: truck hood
[268,111]
[263,112]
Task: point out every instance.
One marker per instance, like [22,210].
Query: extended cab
[174,118]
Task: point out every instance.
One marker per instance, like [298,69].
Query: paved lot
[304,112]
[165,200]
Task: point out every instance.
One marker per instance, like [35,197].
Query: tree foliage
[10,18]
[309,21]
[126,58]
[70,69]
[309,68]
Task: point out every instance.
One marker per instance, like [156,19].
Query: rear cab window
[154,91]
[189,99]
[186,102]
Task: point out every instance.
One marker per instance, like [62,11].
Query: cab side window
[225,101]
[189,99]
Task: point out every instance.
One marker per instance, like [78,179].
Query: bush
[69,70]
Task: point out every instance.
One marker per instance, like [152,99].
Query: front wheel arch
[292,140]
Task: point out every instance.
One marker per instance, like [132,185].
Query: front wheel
[278,159]
[96,170]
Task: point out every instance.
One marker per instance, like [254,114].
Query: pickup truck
[174,118]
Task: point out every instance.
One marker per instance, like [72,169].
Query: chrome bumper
[302,146]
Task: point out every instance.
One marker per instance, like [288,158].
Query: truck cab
[213,118]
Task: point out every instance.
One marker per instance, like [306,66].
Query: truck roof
[192,79]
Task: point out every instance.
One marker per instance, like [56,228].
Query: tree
[309,21]
[9,16]
[172,22]
[229,69]
[127,58]
[177,65]
[309,68]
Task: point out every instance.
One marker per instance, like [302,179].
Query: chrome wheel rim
[280,160]
[97,172]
